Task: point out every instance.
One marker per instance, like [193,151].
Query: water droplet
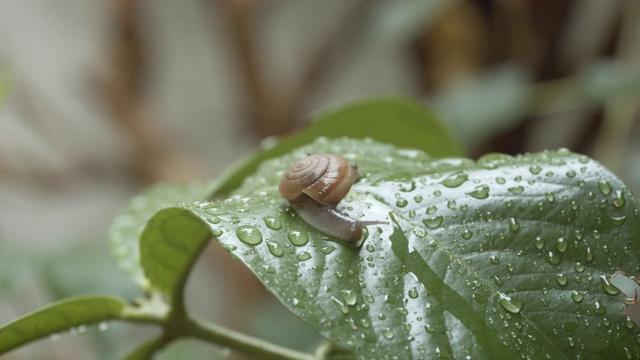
[494,260]
[402,311]
[455,180]
[433,222]
[369,298]
[512,305]
[343,309]
[605,187]
[249,234]
[387,333]
[413,293]
[217,232]
[498,281]
[516,189]
[431,209]
[401,202]
[589,255]
[619,200]
[618,220]
[579,267]
[303,255]
[599,309]
[571,174]
[272,223]
[538,243]
[275,249]
[214,220]
[467,234]
[103,326]
[608,287]
[552,258]
[480,192]
[350,297]
[562,279]
[327,249]
[535,169]
[297,237]
[550,197]
[562,244]
[577,297]
[451,204]
[514,225]
[500,180]
[417,198]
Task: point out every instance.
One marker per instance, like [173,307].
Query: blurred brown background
[101,98]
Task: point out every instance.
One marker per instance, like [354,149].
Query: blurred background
[99,99]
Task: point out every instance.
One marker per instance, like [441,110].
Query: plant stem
[242,342]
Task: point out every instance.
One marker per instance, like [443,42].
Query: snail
[314,186]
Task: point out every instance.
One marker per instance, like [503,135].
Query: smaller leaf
[127,226]
[58,317]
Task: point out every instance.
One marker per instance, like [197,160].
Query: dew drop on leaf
[608,287]
[577,297]
[349,297]
[599,309]
[401,202]
[562,279]
[272,223]
[538,243]
[619,200]
[552,258]
[249,234]
[303,255]
[455,180]
[535,169]
[433,222]
[605,187]
[512,305]
[514,225]
[480,192]
[343,309]
[550,197]
[327,249]
[275,249]
[413,293]
[297,237]
[516,189]
[562,244]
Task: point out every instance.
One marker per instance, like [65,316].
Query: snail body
[314,186]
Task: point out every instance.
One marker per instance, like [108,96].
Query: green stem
[241,342]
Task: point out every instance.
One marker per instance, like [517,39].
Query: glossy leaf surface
[503,258]
[58,317]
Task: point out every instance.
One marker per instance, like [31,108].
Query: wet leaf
[58,317]
[398,121]
[464,267]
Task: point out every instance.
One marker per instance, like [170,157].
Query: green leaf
[58,317]
[128,225]
[500,258]
[402,122]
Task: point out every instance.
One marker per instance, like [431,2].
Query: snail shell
[326,178]
[314,186]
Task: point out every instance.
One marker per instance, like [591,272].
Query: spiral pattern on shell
[326,178]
